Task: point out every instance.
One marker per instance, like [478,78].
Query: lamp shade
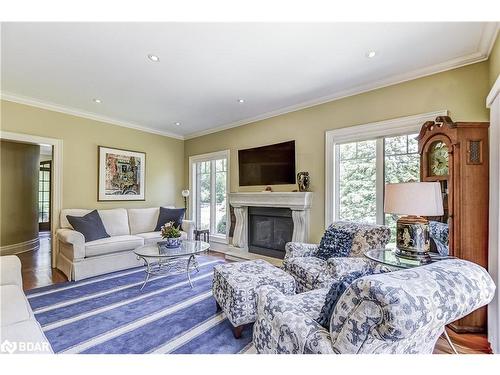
[414,198]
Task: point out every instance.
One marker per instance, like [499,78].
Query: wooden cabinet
[456,155]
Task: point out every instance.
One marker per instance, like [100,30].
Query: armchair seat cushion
[112,245]
[14,307]
[309,272]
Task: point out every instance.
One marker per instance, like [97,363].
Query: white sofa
[19,331]
[128,229]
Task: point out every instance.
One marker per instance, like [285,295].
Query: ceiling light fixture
[241,100]
[98,101]
[177,123]
[154,58]
[371,54]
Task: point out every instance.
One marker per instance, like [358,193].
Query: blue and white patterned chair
[397,312]
[311,272]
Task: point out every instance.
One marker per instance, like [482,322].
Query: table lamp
[414,200]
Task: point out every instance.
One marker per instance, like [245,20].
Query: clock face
[438,159]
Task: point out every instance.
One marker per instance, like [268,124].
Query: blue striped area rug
[110,314]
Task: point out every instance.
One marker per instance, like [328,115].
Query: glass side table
[389,257]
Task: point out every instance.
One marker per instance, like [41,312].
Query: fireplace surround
[296,204]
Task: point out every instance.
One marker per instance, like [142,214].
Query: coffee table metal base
[165,266]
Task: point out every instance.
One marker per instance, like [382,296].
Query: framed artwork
[121,175]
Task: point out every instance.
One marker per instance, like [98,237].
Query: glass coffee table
[162,260]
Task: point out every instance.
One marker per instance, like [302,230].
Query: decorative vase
[303,181]
[173,242]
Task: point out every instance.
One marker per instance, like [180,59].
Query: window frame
[212,156]
[370,131]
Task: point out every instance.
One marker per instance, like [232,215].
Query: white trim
[11,97]
[20,247]
[401,125]
[493,102]
[495,90]
[223,154]
[57,178]
[485,45]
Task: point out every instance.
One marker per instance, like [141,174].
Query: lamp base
[412,238]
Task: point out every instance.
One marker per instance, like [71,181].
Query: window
[362,159]
[44,195]
[210,184]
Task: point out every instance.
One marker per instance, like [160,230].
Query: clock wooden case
[456,155]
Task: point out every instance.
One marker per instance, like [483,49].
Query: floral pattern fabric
[234,287]
[394,312]
[311,272]
[439,233]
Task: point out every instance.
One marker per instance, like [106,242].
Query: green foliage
[221,225]
[170,231]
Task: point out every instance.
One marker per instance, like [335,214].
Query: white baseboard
[20,247]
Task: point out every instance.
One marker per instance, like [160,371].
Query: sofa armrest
[188,227]
[10,267]
[300,249]
[72,238]
[281,327]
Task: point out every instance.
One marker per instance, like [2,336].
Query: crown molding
[79,113]
[485,46]
[488,37]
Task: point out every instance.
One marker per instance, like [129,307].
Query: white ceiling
[205,67]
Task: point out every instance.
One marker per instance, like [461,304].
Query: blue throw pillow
[333,295]
[170,214]
[335,243]
[89,225]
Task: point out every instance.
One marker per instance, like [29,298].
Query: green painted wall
[20,164]
[81,136]
[462,91]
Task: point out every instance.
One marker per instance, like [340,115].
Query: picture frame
[121,175]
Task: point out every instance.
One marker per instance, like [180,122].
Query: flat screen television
[267,165]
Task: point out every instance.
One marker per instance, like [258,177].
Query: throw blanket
[336,242]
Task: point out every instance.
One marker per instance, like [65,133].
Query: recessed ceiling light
[177,123]
[371,54]
[241,100]
[98,101]
[154,58]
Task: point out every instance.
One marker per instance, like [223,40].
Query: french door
[209,186]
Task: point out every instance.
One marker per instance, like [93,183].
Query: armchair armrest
[72,238]
[10,267]
[281,327]
[300,249]
[188,227]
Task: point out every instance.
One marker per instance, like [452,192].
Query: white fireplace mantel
[298,202]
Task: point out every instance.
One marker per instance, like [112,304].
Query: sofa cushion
[310,302]
[309,269]
[170,214]
[90,225]
[143,220]
[112,245]
[14,307]
[115,220]
[30,334]
[153,237]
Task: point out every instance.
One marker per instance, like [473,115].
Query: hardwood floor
[37,272]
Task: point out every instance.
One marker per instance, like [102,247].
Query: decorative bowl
[171,242]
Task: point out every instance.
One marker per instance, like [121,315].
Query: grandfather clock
[456,155]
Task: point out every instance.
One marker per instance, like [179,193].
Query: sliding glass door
[209,184]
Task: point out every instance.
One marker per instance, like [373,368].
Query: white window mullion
[213,195]
[380,181]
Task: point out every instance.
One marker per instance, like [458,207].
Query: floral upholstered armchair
[396,312]
[312,272]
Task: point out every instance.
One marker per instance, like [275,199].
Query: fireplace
[269,229]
